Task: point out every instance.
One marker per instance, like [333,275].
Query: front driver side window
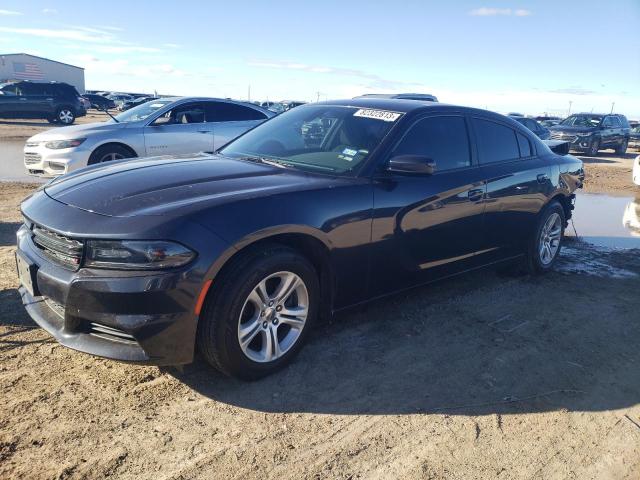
[443,139]
[183,114]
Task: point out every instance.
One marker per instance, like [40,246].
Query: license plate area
[27,274]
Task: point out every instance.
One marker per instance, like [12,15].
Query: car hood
[76,131]
[174,185]
[571,129]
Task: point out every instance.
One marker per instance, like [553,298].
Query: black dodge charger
[239,252]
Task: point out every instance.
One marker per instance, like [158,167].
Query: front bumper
[576,143]
[47,162]
[135,317]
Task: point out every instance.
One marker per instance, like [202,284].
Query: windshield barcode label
[383,115]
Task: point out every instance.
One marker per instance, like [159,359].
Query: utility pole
[249,94]
[570,103]
[612,105]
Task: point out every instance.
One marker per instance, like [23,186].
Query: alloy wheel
[65,116]
[550,237]
[111,156]
[273,317]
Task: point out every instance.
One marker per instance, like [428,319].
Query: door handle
[475,194]
[23,99]
[542,177]
[205,131]
[522,187]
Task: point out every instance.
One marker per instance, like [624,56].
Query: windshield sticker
[349,151]
[383,115]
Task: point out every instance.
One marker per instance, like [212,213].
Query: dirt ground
[488,375]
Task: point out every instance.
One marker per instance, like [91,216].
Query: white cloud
[114,48]
[493,12]
[171,45]
[49,11]
[78,34]
[9,13]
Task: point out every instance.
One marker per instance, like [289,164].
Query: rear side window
[525,146]
[442,139]
[496,142]
[230,112]
[624,121]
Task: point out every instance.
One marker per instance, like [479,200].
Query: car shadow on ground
[474,345]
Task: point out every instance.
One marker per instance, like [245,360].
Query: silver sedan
[166,126]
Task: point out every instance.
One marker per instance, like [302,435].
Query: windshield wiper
[106,110]
[267,161]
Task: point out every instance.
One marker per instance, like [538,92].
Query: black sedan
[238,253]
[99,102]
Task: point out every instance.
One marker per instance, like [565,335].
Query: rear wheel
[546,242]
[108,153]
[594,147]
[622,149]
[65,115]
[259,313]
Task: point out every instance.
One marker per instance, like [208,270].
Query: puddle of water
[605,221]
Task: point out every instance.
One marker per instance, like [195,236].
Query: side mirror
[417,164]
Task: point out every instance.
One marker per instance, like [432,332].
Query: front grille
[110,333]
[564,137]
[30,158]
[60,248]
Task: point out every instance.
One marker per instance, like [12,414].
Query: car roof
[214,99]
[395,104]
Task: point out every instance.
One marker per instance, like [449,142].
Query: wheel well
[312,249]
[126,147]
[566,203]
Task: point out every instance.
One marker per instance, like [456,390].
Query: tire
[52,120]
[233,307]
[550,226]
[594,147]
[622,148]
[65,115]
[108,153]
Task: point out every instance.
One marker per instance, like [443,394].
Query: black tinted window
[230,112]
[615,122]
[496,142]
[525,146]
[32,89]
[442,139]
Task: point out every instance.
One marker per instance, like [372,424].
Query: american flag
[27,71]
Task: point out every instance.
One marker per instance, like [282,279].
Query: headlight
[136,254]
[59,144]
[588,134]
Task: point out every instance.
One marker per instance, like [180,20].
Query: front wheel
[259,313]
[546,242]
[108,153]
[594,147]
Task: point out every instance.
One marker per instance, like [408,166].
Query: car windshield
[142,111]
[333,139]
[582,121]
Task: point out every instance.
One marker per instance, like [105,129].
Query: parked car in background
[129,104]
[550,122]
[426,97]
[99,102]
[289,104]
[120,98]
[55,101]
[634,137]
[636,171]
[239,252]
[277,107]
[591,132]
[164,126]
[542,132]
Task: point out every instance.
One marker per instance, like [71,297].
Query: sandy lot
[489,375]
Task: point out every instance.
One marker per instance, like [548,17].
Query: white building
[22,66]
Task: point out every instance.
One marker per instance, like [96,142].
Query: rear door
[35,103]
[518,183]
[230,120]
[608,134]
[180,130]
[427,226]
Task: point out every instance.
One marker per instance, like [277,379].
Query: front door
[182,130]
[230,120]
[428,226]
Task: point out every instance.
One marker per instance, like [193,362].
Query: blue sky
[529,56]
